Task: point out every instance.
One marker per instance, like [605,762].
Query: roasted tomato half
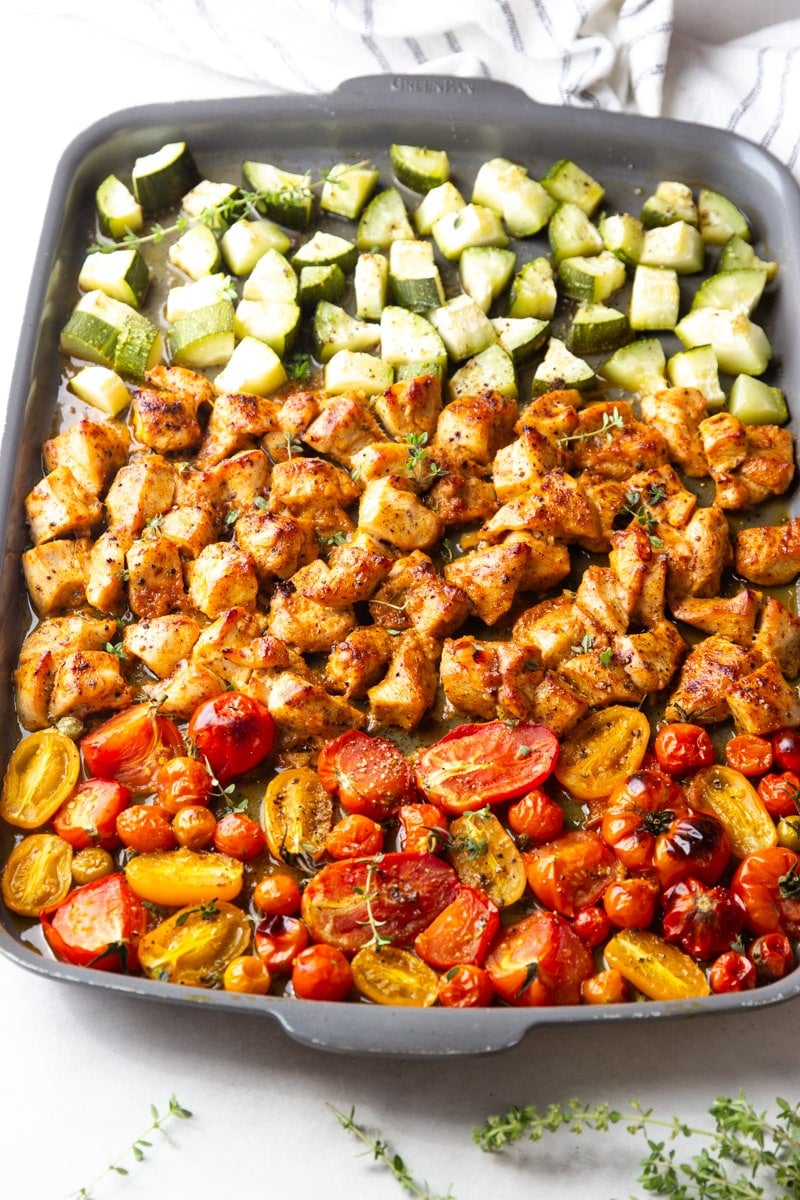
[703,921]
[768,883]
[571,872]
[89,817]
[368,775]
[539,961]
[98,925]
[232,732]
[131,746]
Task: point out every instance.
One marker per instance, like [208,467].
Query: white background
[80,1067]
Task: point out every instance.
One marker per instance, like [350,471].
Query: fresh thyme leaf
[380,1151]
[138,1147]
[610,421]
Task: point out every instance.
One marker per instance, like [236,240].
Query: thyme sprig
[610,422]
[138,1147]
[368,894]
[420,466]
[382,1153]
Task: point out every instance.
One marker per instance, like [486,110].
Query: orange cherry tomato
[732,972]
[780,794]
[368,775]
[239,836]
[354,836]
[638,811]
[247,975]
[193,826]
[233,732]
[423,828]
[749,754]
[131,746]
[321,973]
[539,961]
[768,883]
[98,925]
[695,844]
[681,747]
[465,986]
[536,817]
[277,894]
[462,932]
[181,781]
[606,987]
[631,903]
[571,871]
[89,816]
[145,827]
[278,941]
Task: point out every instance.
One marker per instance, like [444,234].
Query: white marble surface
[80,1067]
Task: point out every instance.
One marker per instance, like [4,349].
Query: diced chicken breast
[237,422]
[490,578]
[55,574]
[408,689]
[778,637]
[768,555]
[221,577]
[706,677]
[415,595]
[393,514]
[763,702]
[475,427]
[552,627]
[94,451]
[278,544]
[732,617]
[155,577]
[676,413]
[344,426]
[60,506]
[106,580]
[306,714]
[610,441]
[410,406]
[88,681]
[302,622]
[359,661]
[161,642]
[142,490]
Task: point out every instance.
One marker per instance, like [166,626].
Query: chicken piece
[778,638]
[221,577]
[768,555]
[410,406]
[107,572]
[732,617]
[33,685]
[51,641]
[554,415]
[698,554]
[343,427]
[94,451]
[277,543]
[610,441]
[161,642]
[378,460]
[650,659]
[475,427]
[607,497]
[142,490]
[408,689]
[60,506]
[184,381]
[747,462]
[305,713]
[359,661]
[490,578]
[353,576]
[187,686]
[155,577]
[238,481]
[769,467]
[553,506]
[706,677]
[556,705]
[631,557]
[488,679]
[762,702]
[55,574]
[552,627]
[463,496]
[648,610]
[393,514]
[165,411]
[600,678]
[302,622]
[295,414]
[87,681]
[658,495]
[238,421]
[221,646]
[416,596]
[548,562]
[724,439]
[603,599]
[676,413]
[191,527]
[305,486]
[523,463]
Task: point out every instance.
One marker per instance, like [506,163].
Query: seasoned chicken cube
[305,486]
[552,627]
[165,411]
[488,679]
[408,689]
[490,578]
[707,675]
[161,642]
[278,544]
[59,506]
[763,702]
[52,640]
[698,554]
[107,576]
[359,661]
[523,463]
[556,705]
[548,562]
[302,622]
[187,686]
[353,575]
[344,426]
[651,658]
[659,495]
[237,422]
[410,406]
[239,481]
[379,459]
[768,555]
[603,599]
[778,638]
[226,646]
[415,595]
[191,527]
[296,412]
[33,685]
[221,577]
[55,574]
[155,577]
[607,497]
[610,441]
[769,467]
[305,713]
[747,462]
[600,678]
[94,451]
[676,413]
[554,415]
[393,514]
[631,557]
[732,617]
[553,506]
[475,427]
[142,490]
[463,496]
[88,681]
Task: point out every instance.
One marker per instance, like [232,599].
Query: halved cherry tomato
[144,828]
[38,874]
[239,836]
[179,878]
[398,893]
[321,972]
[536,816]
[131,746]
[233,732]
[297,815]
[703,921]
[654,967]
[749,753]
[539,961]
[195,945]
[98,925]
[93,862]
[279,940]
[193,826]
[732,972]
[423,828]
[571,871]
[465,986]
[356,835]
[475,765]
[462,932]
[695,844]
[772,956]
[780,794]
[278,894]
[786,748]
[602,750]
[181,781]
[41,774]
[631,903]
[733,799]
[681,747]
[89,816]
[392,975]
[247,975]
[368,775]
[768,883]
[485,857]
[606,987]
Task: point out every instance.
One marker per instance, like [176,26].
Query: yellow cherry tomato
[93,862]
[174,878]
[657,969]
[733,800]
[247,974]
[196,945]
[298,814]
[789,833]
[38,874]
[42,772]
[485,857]
[391,975]
[602,750]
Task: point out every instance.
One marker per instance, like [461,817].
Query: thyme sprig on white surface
[138,1147]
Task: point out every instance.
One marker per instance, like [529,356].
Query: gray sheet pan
[473,119]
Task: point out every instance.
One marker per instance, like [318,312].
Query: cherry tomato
[643,807]
[768,883]
[398,893]
[703,921]
[321,973]
[392,975]
[193,826]
[772,956]
[539,961]
[476,765]
[733,799]
[38,874]
[298,814]
[41,774]
[356,835]
[789,832]
[655,968]
[780,794]
[98,925]
[571,871]
[606,987]
[462,932]
[278,941]
[536,817]
[602,750]
[368,775]
[145,827]
[591,925]
[131,746]
[681,747]
[749,754]
[465,986]
[91,863]
[239,836]
[631,903]
[732,972]
[196,944]
[485,856]
[181,781]
[89,816]
[278,894]
[180,878]
[233,732]
[786,748]
[695,844]
[423,828]
[247,975]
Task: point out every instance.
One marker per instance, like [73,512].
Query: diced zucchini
[274,322]
[638,367]
[253,367]
[272,278]
[414,280]
[419,167]
[408,337]
[203,338]
[655,298]
[101,387]
[521,337]
[117,207]
[677,245]
[121,273]
[160,179]
[353,370]
[371,285]
[560,369]
[719,218]
[383,221]
[196,252]
[491,370]
[671,201]
[347,188]
[244,243]
[198,294]
[417,370]
[741,346]
[594,277]
[334,329]
[323,248]
[596,328]
[736,252]
[741,287]
[623,235]
[698,368]
[283,196]
[209,202]
[472,225]
[93,327]
[139,346]
[569,183]
[321,283]
[756,403]
[572,233]
[533,291]
[522,202]
[485,272]
[438,202]
[464,327]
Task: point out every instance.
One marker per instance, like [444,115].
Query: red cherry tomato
[786,749]
[462,932]
[703,921]
[278,940]
[732,972]
[780,794]
[631,903]
[239,836]
[89,816]
[749,754]
[571,871]
[232,732]
[539,961]
[145,827]
[643,807]
[475,765]
[772,956]
[592,925]
[695,844]
[423,828]
[768,883]
[321,973]
[536,816]
[181,781]
[368,775]
[681,747]
[131,746]
[354,836]
[465,986]
[98,925]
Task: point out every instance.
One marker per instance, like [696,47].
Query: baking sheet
[473,120]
